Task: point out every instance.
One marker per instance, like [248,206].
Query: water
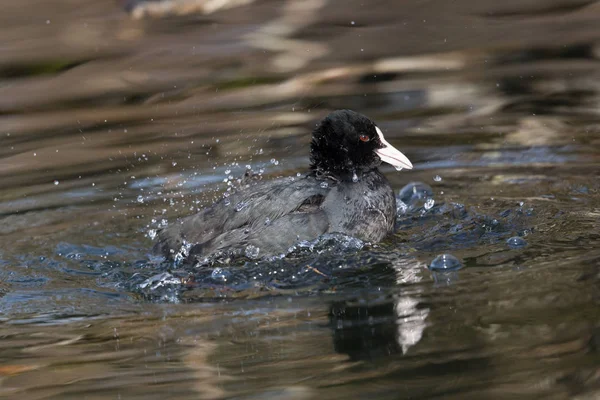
[445,262]
[102,108]
[516,242]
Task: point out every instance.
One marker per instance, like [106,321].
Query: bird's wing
[252,207]
[271,239]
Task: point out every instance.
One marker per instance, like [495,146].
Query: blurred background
[117,117]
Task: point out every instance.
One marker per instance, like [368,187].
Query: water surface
[118,117]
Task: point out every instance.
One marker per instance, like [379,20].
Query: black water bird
[344,192]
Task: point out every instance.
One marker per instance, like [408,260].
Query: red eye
[364,138]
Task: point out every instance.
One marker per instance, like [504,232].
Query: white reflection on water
[410,319]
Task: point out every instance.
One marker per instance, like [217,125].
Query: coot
[344,192]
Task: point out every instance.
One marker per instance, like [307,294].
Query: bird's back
[265,214]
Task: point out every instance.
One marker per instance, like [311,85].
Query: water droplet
[445,262]
[516,242]
[268,221]
[401,207]
[152,233]
[227,171]
[174,163]
[220,274]
[252,252]
[226,201]
[274,161]
[352,23]
[437,178]
[56,182]
[140,199]
[160,280]
[398,168]
[298,174]
[324,185]
[240,206]
[429,203]
[354,177]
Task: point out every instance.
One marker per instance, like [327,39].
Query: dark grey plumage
[344,192]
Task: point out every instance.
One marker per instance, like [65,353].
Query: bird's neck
[342,175]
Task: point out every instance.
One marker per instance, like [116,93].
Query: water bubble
[56,182]
[413,196]
[324,185]
[354,177]
[252,252]
[516,242]
[437,178]
[174,163]
[415,191]
[220,274]
[152,233]
[240,206]
[298,174]
[274,161]
[227,171]
[445,262]
[352,22]
[140,199]
[268,221]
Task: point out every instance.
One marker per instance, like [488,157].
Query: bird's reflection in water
[366,329]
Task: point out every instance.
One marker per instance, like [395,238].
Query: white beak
[391,155]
